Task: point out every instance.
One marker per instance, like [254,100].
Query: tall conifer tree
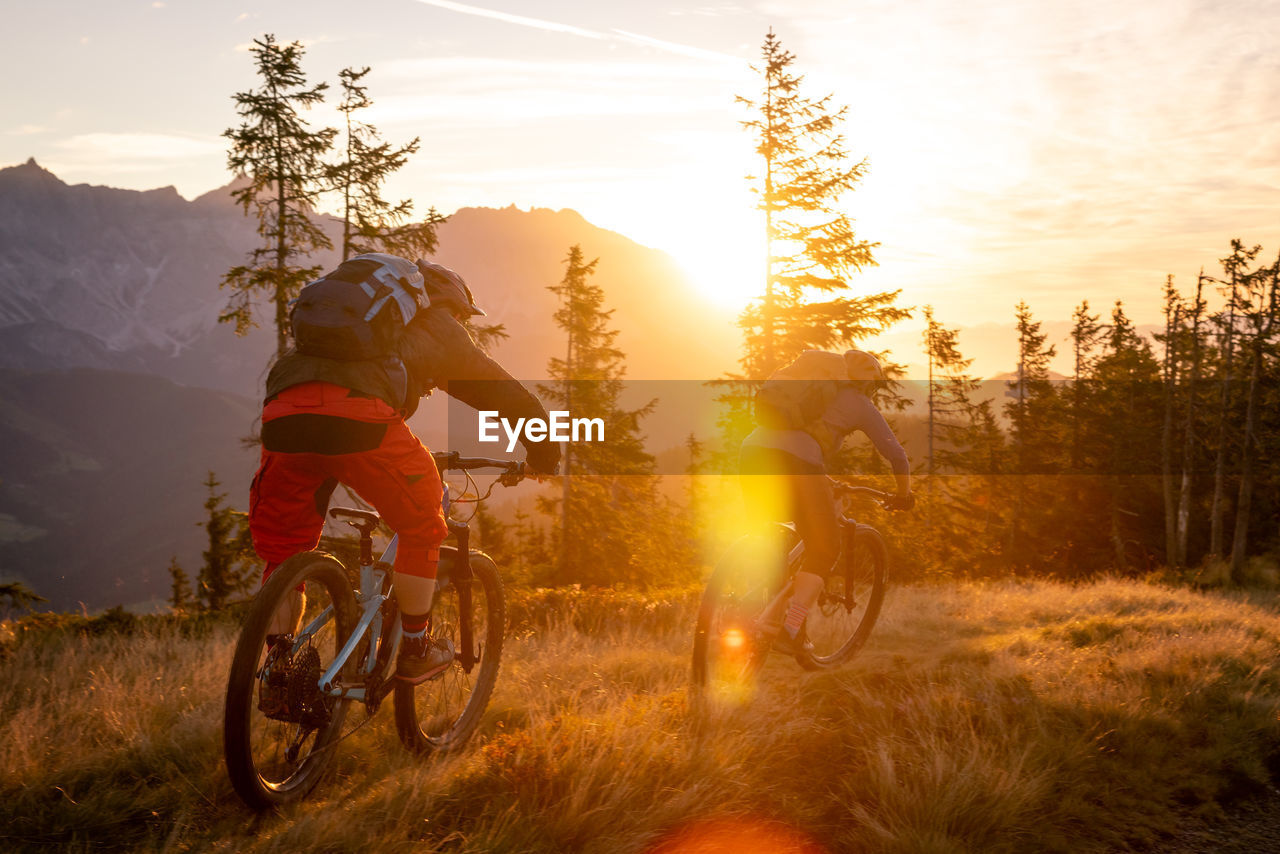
[1260,309]
[610,513]
[812,248]
[282,158]
[370,223]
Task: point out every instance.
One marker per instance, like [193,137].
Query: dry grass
[1005,717]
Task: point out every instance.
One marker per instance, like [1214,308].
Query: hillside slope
[101,480]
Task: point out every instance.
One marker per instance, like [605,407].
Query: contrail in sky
[554,26]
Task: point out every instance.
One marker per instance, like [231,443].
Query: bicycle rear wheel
[726,652]
[846,611]
[442,713]
[278,725]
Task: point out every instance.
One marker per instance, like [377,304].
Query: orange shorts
[317,435]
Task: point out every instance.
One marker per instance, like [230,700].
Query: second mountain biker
[783,468]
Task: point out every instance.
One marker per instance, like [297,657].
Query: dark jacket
[437,352]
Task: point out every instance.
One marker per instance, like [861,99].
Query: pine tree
[282,157]
[1032,412]
[950,398]
[180,598]
[1260,310]
[1085,332]
[1235,266]
[370,223]
[1033,417]
[1127,409]
[1173,309]
[494,535]
[959,433]
[229,559]
[609,508]
[15,595]
[1195,345]
[811,246]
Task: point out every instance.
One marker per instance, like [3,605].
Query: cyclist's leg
[813,508]
[305,428]
[399,478]
[778,485]
[287,502]
[819,527]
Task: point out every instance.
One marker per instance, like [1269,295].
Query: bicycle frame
[370,596]
[848,529]
[376,587]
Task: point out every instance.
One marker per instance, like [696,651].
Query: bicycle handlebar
[513,471]
[886,499]
[454,460]
[861,490]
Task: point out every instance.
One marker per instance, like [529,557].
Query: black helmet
[446,288]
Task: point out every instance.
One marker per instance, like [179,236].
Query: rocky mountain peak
[29,174]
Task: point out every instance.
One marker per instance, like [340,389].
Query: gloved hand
[901,502]
[542,458]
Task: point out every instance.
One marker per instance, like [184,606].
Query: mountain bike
[287,705]
[756,574]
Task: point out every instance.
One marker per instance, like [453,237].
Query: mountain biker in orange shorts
[785,479]
[330,420]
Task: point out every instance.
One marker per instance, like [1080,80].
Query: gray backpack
[356,312]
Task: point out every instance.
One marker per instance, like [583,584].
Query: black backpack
[356,312]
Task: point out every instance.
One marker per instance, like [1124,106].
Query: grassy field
[985,718]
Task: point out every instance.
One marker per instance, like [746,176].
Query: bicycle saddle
[367,519]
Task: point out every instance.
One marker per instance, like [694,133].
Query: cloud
[520,20]
[614,35]
[28,130]
[683,50]
[479,90]
[132,152]
[575,72]
[522,106]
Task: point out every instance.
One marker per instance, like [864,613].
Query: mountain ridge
[118,283]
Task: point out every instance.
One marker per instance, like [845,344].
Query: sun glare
[724,259]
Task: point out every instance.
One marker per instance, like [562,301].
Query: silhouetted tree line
[1155,453]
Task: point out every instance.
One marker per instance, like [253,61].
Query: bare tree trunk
[1217,509]
[1188,437]
[1172,317]
[1245,496]
[1117,537]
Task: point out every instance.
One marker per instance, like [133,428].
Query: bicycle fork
[461,578]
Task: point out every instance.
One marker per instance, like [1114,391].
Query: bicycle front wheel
[846,611]
[443,712]
[727,654]
[278,725]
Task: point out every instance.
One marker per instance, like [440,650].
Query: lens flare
[737,836]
